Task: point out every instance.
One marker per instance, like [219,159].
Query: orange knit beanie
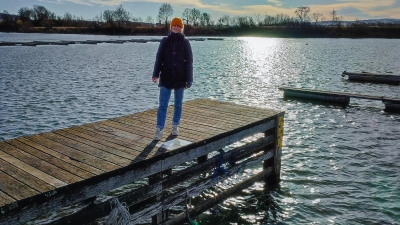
[178,22]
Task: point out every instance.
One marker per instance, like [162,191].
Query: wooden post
[163,215]
[276,160]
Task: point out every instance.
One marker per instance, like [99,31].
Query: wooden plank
[31,170]
[198,131]
[77,167]
[187,117]
[15,188]
[117,150]
[106,139]
[73,153]
[83,147]
[238,109]
[25,177]
[39,164]
[205,113]
[138,137]
[201,130]
[5,199]
[220,117]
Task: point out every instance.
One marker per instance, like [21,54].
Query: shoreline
[387,32]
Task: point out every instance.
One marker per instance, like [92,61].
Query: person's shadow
[150,147]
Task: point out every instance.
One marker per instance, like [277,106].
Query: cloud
[367,7]
[52,1]
[363,8]
[275,2]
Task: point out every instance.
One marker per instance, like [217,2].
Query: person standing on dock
[174,69]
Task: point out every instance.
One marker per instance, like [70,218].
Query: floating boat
[372,77]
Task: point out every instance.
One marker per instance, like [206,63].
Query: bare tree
[257,19]
[98,18]
[137,19]
[165,12]
[195,16]
[205,19]
[186,15]
[225,20]
[302,13]
[149,19]
[316,17]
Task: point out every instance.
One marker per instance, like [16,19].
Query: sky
[89,9]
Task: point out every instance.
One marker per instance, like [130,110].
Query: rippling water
[339,165]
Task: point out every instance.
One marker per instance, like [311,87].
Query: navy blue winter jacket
[174,62]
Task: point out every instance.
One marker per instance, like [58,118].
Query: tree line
[39,16]
[119,19]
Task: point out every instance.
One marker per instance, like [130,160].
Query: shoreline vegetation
[120,22]
[390,32]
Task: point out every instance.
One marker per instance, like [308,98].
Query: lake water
[339,165]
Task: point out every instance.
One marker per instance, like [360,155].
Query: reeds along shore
[361,31]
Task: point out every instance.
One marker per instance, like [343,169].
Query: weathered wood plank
[229,107]
[5,199]
[79,168]
[73,153]
[15,188]
[108,139]
[41,165]
[83,147]
[113,150]
[31,170]
[147,144]
[25,177]
[135,135]
[197,131]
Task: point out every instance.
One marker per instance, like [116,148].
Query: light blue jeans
[165,95]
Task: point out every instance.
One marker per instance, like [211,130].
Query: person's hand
[188,85]
[154,79]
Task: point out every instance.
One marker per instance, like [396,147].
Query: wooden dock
[391,104]
[45,172]
[373,77]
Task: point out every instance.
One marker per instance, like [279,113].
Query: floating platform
[342,98]
[45,172]
[216,39]
[374,78]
